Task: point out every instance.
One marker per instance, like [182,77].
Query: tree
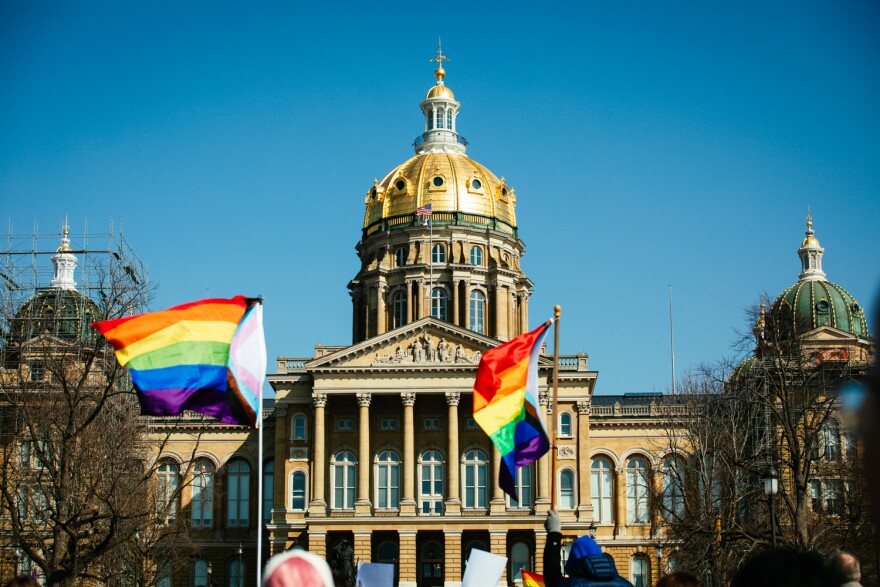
[779,408]
[79,494]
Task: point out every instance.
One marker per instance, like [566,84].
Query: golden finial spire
[440,58]
[809,218]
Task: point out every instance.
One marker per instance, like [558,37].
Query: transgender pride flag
[247,362]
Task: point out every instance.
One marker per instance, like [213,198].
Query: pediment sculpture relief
[427,350]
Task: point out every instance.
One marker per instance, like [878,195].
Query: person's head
[678,579]
[582,547]
[783,568]
[844,567]
[297,568]
[23,581]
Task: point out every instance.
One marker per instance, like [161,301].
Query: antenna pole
[672,339]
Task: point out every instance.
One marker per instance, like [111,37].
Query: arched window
[476,470]
[520,558]
[476,256]
[268,490]
[163,577]
[441,113]
[639,571]
[438,254]
[438,303]
[387,553]
[298,427]
[565,424]
[566,489]
[637,491]
[431,482]
[477,311]
[235,573]
[388,480]
[167,481]
[298,491]
[399,308]
[200,573]
[432,563]
[601,489]
[344,472]
[238,493]
[400,257]
[673,488]
[830,440]
[202,503]
[523,489]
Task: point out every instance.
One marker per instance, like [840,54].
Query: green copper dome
[809,304]
[62,313]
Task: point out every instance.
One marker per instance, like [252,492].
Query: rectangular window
[471,424]
[431,423]
[388,424]
[344,424]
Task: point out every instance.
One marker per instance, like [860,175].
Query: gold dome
[465,186]
[439,91]
[811,241]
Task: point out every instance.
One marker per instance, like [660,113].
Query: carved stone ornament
[584,408]
[364,399]
[408,398]
[428,350]
[319,400]
[299,454]
[453,397]
[565,453]
[544,398]
[281,410]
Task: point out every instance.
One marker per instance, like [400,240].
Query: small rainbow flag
[180,358]
[506,403]
[531,579]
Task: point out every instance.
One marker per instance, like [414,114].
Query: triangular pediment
[427,343]
[828,334]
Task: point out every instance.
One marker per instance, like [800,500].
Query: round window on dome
[855,308]
[822,306]
[476,184]
[503,191]
[400,185]
[438,181]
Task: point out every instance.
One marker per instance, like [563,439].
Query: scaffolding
[27,271]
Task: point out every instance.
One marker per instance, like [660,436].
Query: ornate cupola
[65,263]
[440,110]
[811,254]
[460,265]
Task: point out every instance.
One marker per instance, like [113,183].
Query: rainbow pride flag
[531,579]
[179,359]
[506,403]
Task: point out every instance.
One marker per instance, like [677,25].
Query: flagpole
[430,221]
[259,492]
[557,312]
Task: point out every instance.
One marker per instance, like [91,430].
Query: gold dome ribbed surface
[439,91]
[811,241]
[466,187]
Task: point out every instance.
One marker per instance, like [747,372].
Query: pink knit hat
[297,568]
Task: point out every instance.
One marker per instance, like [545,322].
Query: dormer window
[438,181]
[400,185]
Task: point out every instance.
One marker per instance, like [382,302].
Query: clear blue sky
[649,143]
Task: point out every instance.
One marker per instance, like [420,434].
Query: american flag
[424,210]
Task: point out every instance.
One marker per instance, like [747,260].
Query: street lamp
[209,573]
[770,479]
[592,529]
[16,553]
[240,581]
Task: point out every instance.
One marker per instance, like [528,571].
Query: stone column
[498,545]
[500,313]
[410,314]
[540,542]
[408,503]
[542,501]
[318,543]
[363,506]
[511,314]
[408,558]
[467,306]
[381,312]
[318,505]
[620,502]
[453,501]
[524,312]
[456,294]
[452,566]
[279,504]
[585,496]
[363,551]
[497,505]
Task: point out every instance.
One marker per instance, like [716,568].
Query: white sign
[375,575]
[483,569]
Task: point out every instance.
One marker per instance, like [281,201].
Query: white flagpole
[260,490]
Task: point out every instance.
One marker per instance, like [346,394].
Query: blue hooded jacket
[587,565]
